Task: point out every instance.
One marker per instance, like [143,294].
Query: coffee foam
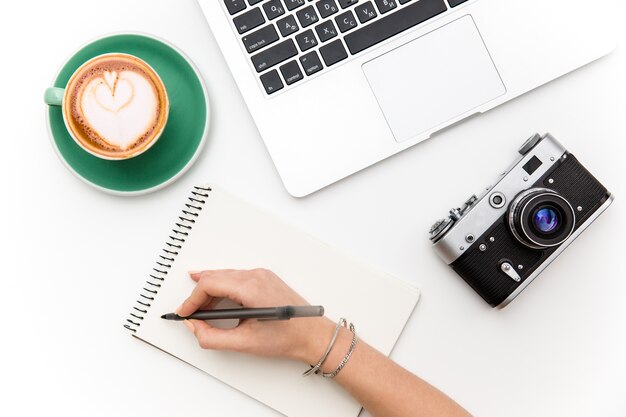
[115,105]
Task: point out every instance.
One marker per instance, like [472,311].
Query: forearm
[383,387]
[380,385]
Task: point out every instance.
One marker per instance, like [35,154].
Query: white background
[73,258]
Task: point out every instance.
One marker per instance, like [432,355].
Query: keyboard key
[454,3]
[397,22]
[333,52]
[253,2]
[347,3]
[306,40]
[235,6]
[326,30]
[249,20]
[327,7]
[260,39]
[345,21]
[365,12]
[307,16]
[274,55]
[311,63]
[273,9]
[385,5]
[287,25]
[271,81]
[404,1]
[293,4]
[291,72]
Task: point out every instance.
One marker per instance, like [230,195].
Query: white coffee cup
[115,106]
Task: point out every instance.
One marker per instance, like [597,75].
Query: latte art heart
[115,93]
[121,111]
[115,106]
[110,77]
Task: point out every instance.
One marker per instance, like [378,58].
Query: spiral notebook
[216,230]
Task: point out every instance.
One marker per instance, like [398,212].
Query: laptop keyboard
[289,40]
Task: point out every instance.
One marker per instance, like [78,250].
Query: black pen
[265,313]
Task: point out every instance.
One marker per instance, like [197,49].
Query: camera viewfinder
[532,165]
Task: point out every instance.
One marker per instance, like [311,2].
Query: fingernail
[189,325]
[192,273]
[177,311]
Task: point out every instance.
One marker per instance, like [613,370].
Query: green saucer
[179,145]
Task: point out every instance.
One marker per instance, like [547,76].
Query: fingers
[197,299]
[208,305]
[211,285]
[210,337]
[196,275]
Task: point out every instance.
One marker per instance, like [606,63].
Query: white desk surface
[74,258]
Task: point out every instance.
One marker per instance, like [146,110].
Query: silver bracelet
[346,358]
[315,369]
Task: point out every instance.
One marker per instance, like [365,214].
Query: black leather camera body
[501,241]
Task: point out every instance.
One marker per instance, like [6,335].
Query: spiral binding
[174,243]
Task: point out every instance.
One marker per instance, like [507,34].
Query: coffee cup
[114,106]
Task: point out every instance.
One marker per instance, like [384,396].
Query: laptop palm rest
[434,79]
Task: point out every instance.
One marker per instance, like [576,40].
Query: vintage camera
[499,242]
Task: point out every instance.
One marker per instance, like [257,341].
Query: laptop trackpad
[425,83]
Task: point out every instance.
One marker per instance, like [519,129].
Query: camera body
[501,241]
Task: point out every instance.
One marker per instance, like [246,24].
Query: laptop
[335,86]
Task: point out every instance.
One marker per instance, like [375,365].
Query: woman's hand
[302,339]
[380,385]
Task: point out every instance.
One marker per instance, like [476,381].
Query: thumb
[210,337]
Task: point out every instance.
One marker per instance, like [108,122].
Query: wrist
[339,350]
[315,341]
[318,336]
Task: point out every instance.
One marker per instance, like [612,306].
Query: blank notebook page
[219,231]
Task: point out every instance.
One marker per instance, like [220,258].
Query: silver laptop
[337,85]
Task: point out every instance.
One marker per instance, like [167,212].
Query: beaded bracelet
[346,358]
[315,369]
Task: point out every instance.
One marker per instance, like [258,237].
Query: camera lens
[546,220]
[541,218]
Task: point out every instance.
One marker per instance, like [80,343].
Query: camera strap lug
[508,269]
